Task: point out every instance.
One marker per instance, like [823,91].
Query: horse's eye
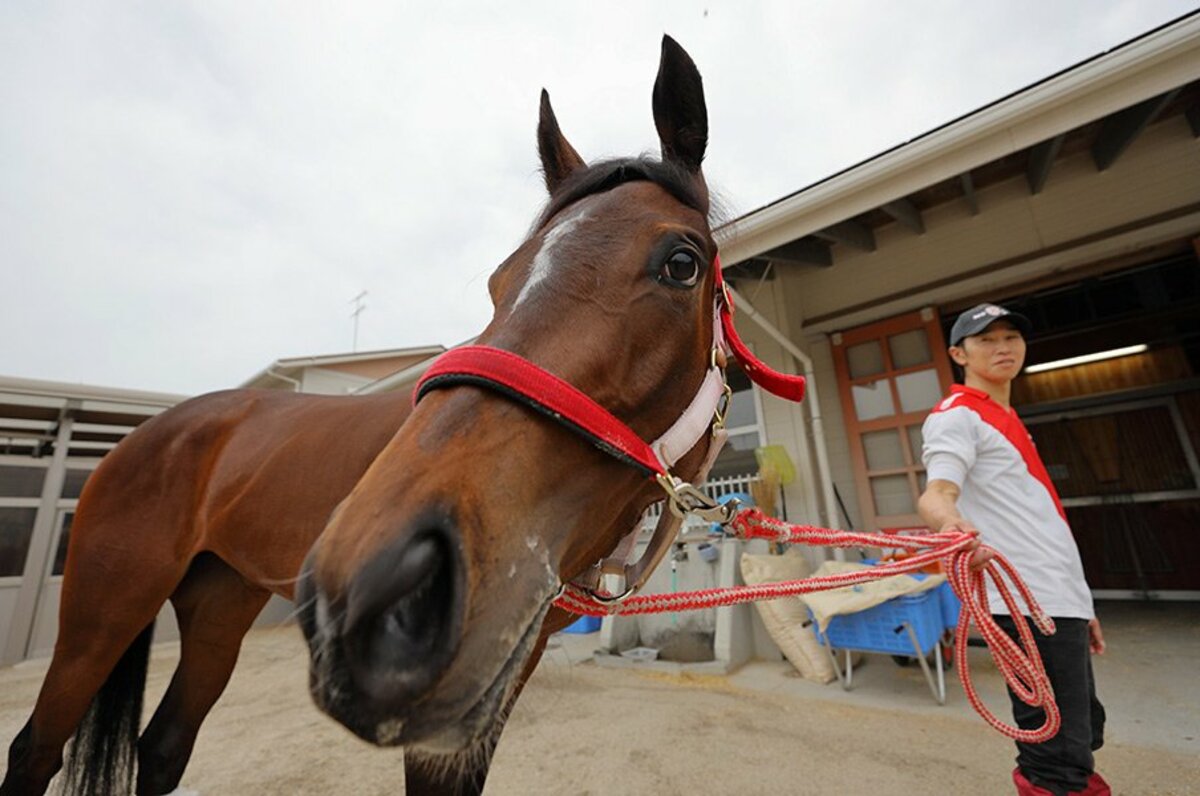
[681,269]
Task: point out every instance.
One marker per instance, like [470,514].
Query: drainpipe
[814,408]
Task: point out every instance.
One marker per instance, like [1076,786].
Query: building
[1076,201]
[52,436]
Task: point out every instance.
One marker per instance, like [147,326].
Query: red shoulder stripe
[1010,426]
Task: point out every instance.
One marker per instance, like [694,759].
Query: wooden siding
[1157,366]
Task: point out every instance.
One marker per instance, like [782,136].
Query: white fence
[715,488]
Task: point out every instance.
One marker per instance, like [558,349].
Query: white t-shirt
[984,449]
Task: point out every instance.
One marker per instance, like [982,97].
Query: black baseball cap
[980,317]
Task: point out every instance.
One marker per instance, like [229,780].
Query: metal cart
[908,625]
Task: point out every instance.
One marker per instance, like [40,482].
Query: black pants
[1063,763]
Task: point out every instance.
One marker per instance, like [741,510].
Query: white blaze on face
[543,261]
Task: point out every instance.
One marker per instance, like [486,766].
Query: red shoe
[1027,788]
[1096,786]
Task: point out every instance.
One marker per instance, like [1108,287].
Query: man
[985,477]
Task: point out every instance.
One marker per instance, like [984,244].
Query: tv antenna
[359,306]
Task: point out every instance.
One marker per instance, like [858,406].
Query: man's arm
[938,508]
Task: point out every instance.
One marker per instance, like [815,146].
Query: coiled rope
[1018,661]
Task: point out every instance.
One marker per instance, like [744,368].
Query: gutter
[814,408]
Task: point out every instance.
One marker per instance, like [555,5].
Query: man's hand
[1096,637]
[938,507]
[980,556]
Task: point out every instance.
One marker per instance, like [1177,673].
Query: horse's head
[425,594]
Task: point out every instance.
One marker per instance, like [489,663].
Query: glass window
[60,556]
[734,462]
[919,391]
[909,348]
[73,483]
[744,442]
[865,359]
[872,400]
[915,443]
[892,495]
[742,410]
[883,450]
[737,458]
[16,529]
[19,481]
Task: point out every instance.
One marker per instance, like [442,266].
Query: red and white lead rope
[1019,663]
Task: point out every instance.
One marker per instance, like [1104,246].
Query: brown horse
[438,538]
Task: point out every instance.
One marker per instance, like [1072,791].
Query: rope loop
[1018,661]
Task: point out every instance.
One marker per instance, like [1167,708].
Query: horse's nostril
[415,614]
[402,617]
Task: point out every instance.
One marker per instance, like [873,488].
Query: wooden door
[890,374]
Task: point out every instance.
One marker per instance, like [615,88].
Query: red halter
[520,380]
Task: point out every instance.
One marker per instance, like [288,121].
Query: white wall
[785,422]
[330,382]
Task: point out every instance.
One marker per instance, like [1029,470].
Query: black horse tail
[101,758]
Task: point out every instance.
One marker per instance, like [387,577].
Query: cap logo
[990,309]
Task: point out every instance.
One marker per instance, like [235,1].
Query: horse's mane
[604,175]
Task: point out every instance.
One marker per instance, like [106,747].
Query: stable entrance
[1128,477]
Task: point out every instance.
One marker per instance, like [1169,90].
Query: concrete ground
[585,729]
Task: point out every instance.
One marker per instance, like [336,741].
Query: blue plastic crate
[880,629]
[950,605]
[584,624]
[948,601]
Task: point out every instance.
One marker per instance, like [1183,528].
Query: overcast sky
[189,191]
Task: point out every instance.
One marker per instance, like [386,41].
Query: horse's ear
[559,158]
[679,111]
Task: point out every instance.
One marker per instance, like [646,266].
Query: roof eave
[1150,65]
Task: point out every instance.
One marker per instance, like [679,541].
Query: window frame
[899,421]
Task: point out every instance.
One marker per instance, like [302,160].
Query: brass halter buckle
[684,499]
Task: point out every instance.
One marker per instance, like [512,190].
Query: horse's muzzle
[396,626]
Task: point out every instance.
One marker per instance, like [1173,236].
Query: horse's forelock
[687,187]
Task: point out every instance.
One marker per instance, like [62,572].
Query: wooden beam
[1193,117]
[804,251]
[1120,129]
[849,233]
[755,268]
[906,213]
[968,189]
[1041,158]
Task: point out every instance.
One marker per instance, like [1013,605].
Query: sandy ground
[586,729]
